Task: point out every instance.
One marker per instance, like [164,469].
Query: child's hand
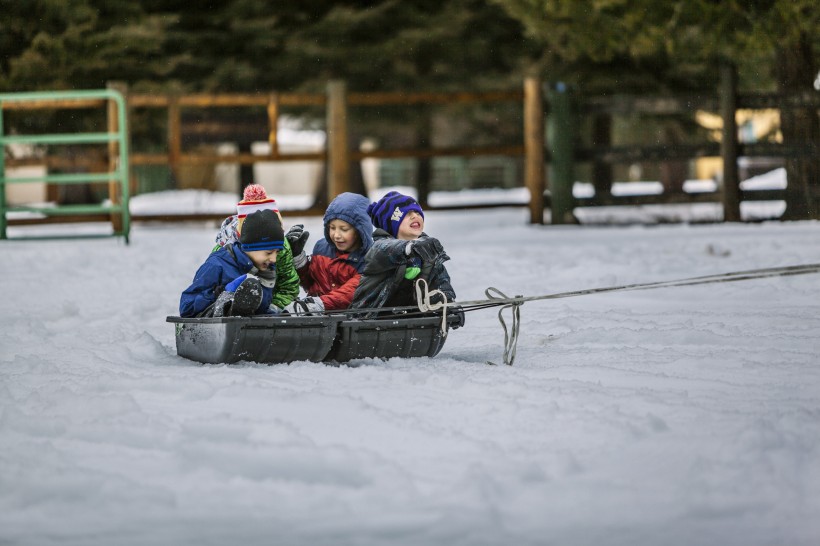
[428,249]
[297,237]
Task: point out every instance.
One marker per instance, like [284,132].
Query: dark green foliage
[259,46]
[670,44]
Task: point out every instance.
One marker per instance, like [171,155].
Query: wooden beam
[174,137]
[273,124]
[728,143]
[338,151]
[534,144]
[399,98]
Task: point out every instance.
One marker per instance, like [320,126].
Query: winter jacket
[287,280]
[331,274]
[383,276]
[221,267]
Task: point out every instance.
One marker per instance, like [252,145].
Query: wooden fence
[546,110]
[339,155]
[566,113]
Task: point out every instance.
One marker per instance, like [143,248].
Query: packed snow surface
[675,416]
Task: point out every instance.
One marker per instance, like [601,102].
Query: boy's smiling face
[411,227]
[263,259]
[343,235]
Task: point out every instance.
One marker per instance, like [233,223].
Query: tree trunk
[796,70]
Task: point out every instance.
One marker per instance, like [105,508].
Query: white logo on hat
[396,215]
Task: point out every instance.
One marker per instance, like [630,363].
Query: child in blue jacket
[238,279]
[255,198]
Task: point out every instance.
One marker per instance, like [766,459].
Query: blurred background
[605,55]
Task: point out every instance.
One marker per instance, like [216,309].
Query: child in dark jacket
[238,278]
[401,254]
[331,273]
[255,198]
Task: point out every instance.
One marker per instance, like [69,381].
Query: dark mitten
[222,306]
[297,237]
[247,298]
[428,249]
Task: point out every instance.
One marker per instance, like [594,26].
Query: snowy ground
[678,416]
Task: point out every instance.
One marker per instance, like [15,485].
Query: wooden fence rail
[338,153]
[551,118]
[726,102]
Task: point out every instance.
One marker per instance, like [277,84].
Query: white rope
[497,298]
[423,294]
[511,337]
[784,271]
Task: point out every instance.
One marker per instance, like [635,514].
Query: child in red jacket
[331,273]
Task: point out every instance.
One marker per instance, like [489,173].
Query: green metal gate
[116,137]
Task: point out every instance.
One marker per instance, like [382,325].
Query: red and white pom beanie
[254,198]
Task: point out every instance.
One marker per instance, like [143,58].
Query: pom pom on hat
[254,192]
[388,212]
[254,198]
[262,231]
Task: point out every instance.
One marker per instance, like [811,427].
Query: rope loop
[423,294]
[511,335]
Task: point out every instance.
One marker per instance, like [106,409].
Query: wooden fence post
[273,123]
[560,136]
[175,139]
[534,143]
[114,152]
[338,151]
[730,193]
[601,170]
[424,165]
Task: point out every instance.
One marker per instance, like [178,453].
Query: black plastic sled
[282,339]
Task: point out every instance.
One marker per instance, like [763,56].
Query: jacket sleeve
[287,280]
[342,296]
[384,255]
[440,280]
[197,297]
[305,274]
[264,306]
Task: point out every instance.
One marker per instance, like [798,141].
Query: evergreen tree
[774,43]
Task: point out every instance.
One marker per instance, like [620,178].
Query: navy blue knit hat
[262,230]
[388,212]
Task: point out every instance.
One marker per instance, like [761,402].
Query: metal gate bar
[117,177]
